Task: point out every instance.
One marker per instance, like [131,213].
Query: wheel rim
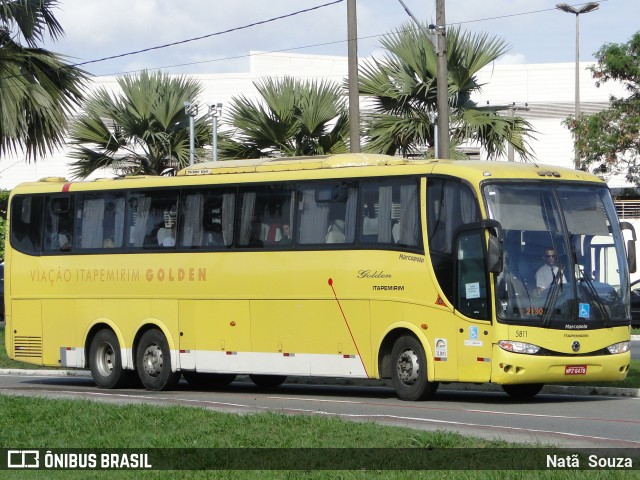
[105,358]
[408,367]
[152,360]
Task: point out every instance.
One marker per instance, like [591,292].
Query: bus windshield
[564,258]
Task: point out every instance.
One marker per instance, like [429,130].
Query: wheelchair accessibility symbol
[583,311]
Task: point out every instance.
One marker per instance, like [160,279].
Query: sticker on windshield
[583,310]
[472,289]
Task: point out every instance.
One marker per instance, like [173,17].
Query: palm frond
[143,126]
[37,93]
[291,117]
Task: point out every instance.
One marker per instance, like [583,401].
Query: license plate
[575,370]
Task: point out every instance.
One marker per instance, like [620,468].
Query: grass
[47,424]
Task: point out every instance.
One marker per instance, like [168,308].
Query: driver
[548,272]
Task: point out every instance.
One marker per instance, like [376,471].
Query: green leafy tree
[291,118]
[403,89]
[38,90]
[608,142]
[142,129]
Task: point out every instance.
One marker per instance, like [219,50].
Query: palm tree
[38,90]
[293,118]
[403,89]
[143,129]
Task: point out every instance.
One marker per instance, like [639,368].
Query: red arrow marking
[348,327]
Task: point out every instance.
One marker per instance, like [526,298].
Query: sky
[94,29]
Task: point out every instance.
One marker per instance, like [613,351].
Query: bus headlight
[518,347]
[621,347]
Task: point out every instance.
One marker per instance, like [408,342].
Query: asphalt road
[567,420]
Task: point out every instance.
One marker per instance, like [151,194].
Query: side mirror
[631,256]
[631,246]
[495,255]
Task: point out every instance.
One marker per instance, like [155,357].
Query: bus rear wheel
[525,390]
[409,370]
[268,381]
[153,362]
[105,361]
[208,380]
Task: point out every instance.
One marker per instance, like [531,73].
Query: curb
[586,390]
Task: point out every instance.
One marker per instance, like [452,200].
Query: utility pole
[442,77]
[354,99]
[443,83]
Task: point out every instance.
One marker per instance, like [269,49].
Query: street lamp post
[586,8]
[215,110]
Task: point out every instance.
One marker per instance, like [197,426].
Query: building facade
[543,94]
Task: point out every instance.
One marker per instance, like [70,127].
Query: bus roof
[295,163]
[474,171]
[457,168]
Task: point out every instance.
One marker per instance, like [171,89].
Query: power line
[235,57]
[180,42]
[235,29]
[500,17]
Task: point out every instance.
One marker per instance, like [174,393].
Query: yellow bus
[355,265]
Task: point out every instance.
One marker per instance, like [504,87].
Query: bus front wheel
[105,361]
[525,390]
[153,362]
[409,370]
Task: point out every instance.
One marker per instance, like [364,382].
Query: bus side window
[472,295]
[26,223]
[327,213]
[450,204]
[99,220]
[148,213]
[207,218]
[58,223]
[264,212]
[390,213]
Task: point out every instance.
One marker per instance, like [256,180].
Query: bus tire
[153,362]
[409,370]
[268,381]
[524,390]
[105,361]
[208,380]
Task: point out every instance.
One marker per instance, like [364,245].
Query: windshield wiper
[552,296]
[593,295]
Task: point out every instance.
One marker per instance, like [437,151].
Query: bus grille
[27,347]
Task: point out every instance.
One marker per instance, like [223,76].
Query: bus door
[472,307]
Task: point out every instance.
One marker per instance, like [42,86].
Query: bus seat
[274,234]
[525,269]
[335,233]
[163,234]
